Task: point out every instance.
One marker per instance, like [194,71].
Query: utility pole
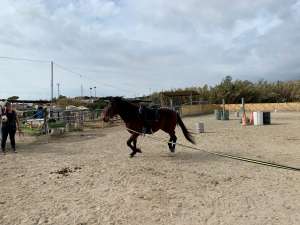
[150,95]
[51,106]
[51,81]
[81,87]
[58,91]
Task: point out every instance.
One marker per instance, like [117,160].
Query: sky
[134,47]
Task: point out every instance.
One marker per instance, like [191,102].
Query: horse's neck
[128,112]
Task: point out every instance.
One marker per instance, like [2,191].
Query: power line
[88,78]
[62,67]
[25,59]
[68,70]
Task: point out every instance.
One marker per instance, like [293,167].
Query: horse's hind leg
[134,145]
[172,142]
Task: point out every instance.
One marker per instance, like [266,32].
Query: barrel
[225,115]
[200,127]
[258,118]
[267,118]
[218,114]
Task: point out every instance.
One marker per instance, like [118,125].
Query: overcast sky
[132,47]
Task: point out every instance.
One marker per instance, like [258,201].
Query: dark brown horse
[168,119]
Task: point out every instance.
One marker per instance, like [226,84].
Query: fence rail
[67,121]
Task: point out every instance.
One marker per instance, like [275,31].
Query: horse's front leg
[134,144]
[133,139]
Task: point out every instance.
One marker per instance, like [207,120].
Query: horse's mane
[127,110]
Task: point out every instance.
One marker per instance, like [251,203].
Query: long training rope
[224,155]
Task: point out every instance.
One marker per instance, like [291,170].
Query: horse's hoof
[138,150]
[172,150]
[132,154]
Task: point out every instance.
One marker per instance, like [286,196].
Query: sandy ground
[189,187]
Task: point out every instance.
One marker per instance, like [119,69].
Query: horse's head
[112,109]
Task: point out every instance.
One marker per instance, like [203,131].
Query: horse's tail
[185,131]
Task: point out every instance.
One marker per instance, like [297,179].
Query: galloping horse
[167,121]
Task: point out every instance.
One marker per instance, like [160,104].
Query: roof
[179,93]
[27,101]
[82,108]
[70,107]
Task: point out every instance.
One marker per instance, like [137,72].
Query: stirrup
[147,131]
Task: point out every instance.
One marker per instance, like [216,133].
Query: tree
[233,90]
[13,98]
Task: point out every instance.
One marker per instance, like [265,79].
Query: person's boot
[3,150]
[15,150]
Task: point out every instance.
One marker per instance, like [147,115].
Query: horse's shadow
[189,156]
[277,124]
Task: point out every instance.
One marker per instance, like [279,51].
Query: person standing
[10,125]
[0,121]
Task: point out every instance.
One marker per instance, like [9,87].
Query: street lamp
[91,93]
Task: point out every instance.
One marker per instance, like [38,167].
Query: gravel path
[87,178]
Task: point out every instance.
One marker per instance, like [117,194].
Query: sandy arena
[87,178]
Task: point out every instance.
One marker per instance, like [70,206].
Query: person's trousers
[11,131]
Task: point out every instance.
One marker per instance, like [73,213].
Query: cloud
[134,45]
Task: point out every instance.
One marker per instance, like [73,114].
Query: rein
[224,155]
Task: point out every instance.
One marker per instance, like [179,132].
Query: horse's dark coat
[167,121]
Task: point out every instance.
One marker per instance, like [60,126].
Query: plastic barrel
[225,115]
[218,114]
[200,127]
[267,118]
[258,118]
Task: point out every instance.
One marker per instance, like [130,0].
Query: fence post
[46,121]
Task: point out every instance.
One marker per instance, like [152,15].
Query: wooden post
[243,105]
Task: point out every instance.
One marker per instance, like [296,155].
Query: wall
[193,110]
[292,107]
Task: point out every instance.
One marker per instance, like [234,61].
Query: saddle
[148,116]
